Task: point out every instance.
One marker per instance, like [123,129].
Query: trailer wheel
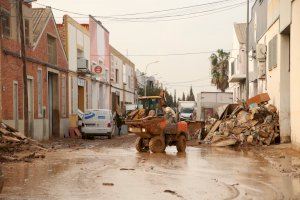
[181,143]
[140,146]
[157,145]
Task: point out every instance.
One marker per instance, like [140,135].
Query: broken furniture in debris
[253,123]
[13,142]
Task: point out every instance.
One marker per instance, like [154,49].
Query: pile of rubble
[257,124]
[14,146]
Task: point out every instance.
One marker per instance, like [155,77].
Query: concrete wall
[77,38]
[273,76]
[278,79]
[284,110]
[295,72]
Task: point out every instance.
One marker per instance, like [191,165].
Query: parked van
[97,122]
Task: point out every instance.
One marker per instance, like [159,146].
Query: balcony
[237,78]
[236,73]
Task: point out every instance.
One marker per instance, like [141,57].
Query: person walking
[118,122]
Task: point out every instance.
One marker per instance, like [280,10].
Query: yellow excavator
[156,125]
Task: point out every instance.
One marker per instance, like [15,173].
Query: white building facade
[123,84]
[237,63]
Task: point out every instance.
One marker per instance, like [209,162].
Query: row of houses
[274,60]
[70,66]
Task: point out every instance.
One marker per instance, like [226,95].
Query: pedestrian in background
[118,122]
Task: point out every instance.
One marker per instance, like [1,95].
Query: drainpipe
[1,50]
[247,54]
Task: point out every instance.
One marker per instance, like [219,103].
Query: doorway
[81,98]
[53,105]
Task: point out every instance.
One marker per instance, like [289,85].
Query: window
[27,35]
[40,92]
[63,96]
[52,54]
[272,53]
[129,82]
[232,68]
[117,76]
[5,23]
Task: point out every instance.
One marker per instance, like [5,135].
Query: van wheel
[157,145]
[140,145]
[84,136]
[181,143]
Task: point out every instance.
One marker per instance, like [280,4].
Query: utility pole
[1,37]
[23,57]
[247,54]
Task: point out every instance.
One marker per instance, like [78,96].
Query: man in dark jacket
[118,122]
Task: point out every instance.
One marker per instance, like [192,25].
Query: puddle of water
[208,173]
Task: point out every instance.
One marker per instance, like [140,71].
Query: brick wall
[12,71]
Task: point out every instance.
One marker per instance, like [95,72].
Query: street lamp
[145,84]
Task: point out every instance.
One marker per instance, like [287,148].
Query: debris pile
[256,124]
[14,146]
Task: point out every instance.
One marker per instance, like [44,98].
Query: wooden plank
[213,129]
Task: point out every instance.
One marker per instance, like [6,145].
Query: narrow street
[112,169]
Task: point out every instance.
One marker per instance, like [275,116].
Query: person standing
[118,122]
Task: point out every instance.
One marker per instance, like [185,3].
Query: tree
[219,69]
[191,96]
[183,97]
[169,99]
[175,98]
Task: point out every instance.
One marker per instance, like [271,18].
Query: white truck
[187,110]
[209,103]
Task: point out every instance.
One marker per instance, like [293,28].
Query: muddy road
[112,169]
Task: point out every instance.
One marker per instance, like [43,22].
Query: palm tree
[219,69]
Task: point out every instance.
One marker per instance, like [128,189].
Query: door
[30,106]
[15,105]
[53,105]
[81,98]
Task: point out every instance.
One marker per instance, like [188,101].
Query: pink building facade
[100,62]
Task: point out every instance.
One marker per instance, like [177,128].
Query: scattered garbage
[14,146]
[255,123]
[108,184]
[173,193]
[127,169]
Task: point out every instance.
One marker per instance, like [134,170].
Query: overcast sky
[199,34]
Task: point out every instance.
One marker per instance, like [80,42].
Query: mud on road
[112,169]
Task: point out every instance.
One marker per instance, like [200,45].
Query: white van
[97,122]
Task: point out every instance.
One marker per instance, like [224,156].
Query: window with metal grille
[272,53]
[52,54]
[5,20]
[40,92]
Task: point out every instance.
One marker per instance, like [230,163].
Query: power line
[150,19]
[167,54]
[178,15]
[194,86]
[192,81]
[130,14]
[172,9]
